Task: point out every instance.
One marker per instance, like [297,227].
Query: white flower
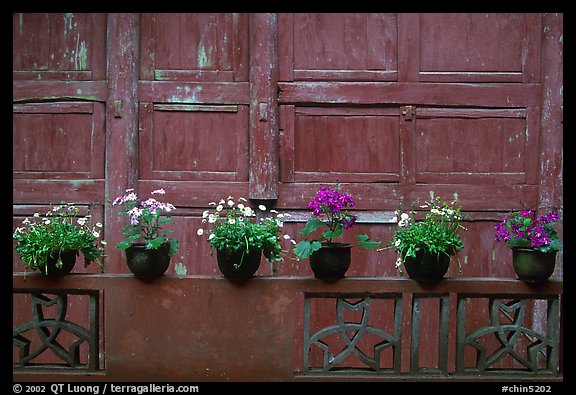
[398,262]
[95,234]
[242,199]
[205,214]
[212,235]
[36,215]
[262,207]
[200,232]
[241,207]
[402,223]
[231,221]
[395,219]
[220,207]
[212,204]
[160,191]
[275,212]
[212,218]
[286,237]
[46,222]
[404,216]
[397,243]
[81,221]
[98,224]
[230,202]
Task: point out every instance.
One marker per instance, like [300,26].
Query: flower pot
[426,266]
[239,265]
[532,265]
[147,263]
[331,261]
[68,261]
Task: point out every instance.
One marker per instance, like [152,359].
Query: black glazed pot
[331,261]
[426,266]
[147,263]
[532,265]
[239,265]
[68,261]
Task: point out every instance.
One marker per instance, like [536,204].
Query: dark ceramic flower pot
[147,263]
[331,262]
[426,266]
[533,266]
[68,261]
[239,265]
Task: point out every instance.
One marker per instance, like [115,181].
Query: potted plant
[330,260]
[426,247]
[534,243]
[147,246]
[241,235]
[51,243]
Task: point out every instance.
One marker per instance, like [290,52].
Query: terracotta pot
[332,261]
[68,261]
[147,263]
[426,266]
[239,265]
[533,266]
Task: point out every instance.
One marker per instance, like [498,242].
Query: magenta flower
[520,229]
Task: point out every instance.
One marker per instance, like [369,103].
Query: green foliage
[436,234]
[330,210]
[61,229]
[146,220]
[237,229]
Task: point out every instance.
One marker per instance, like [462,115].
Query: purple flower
[520,229]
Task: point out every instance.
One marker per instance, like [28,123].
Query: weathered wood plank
[489,95]
[46,191]
[550,179]
[387,196]
[121,129]
[194,92]
[264,165]
[34,91]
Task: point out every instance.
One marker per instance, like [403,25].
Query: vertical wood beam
[551,132]
[264,157]
[551,139]
[121,126]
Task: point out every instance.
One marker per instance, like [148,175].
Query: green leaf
[173,247]
[311,225]
[328,234]
[155,243]
[165,220]
[305,248]
[365,242]
[124,245]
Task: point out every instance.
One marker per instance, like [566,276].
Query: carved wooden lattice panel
[49,339]
[348,334]
[509,335]
[362,338]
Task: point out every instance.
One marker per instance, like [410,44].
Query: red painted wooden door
[271,106]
